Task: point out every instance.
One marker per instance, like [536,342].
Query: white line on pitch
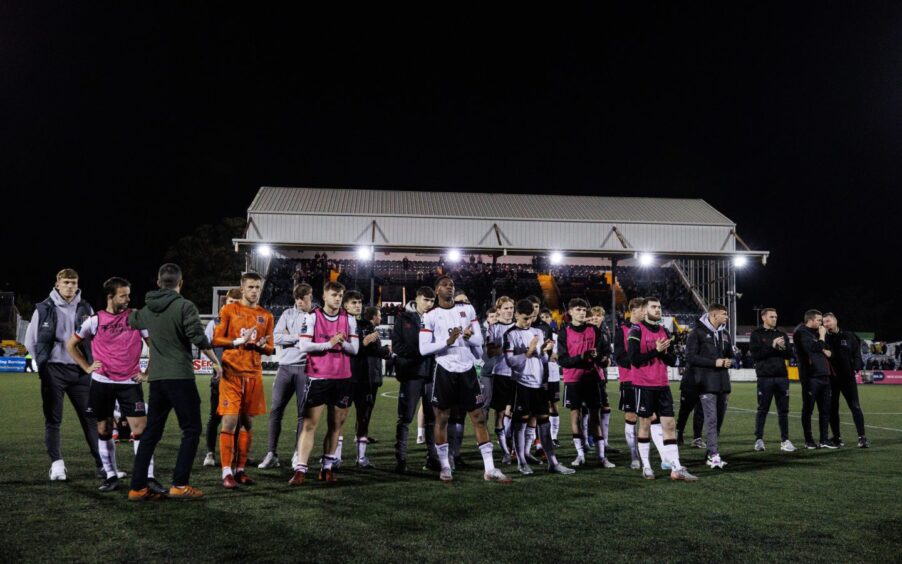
[799,417]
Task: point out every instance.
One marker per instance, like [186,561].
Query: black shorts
[603,392]
[529,401]
[554,391]
[585,393]
[103,398]
[456,389]
[627,397]
[337,393]
[502,392]
[651,400]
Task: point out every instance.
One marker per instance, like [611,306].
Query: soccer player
[215,419]
[451,333]
[604,417]
[770,349]
[650,355]
[810,340]
[485,374]
[115,376]
[846,360]
[578,346]
[174,326]
[502,386]
[362,370]
[554,381]
[330,340]
[414,372]
[625,375]
[291,379]
[709,354]
[525,347]
[53,322]
[246,333]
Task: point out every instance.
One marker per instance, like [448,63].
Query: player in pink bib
[650,355]
[115,376]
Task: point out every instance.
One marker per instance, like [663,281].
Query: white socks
[555,426]
[657,437]
[486,450]
[107,448]
[629,431]
[644,448]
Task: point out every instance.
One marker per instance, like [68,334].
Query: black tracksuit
[814,374]
[366,373]
[773,379]
[846,360]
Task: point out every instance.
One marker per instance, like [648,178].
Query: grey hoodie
[66,325]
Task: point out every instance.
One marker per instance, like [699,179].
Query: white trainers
[580,460]
[445,474]
[560,469]
[58,471]
[496,475]
[635,465]
[682,474]
[759,445]
[787,446]
[524,469]
[120,474]
[209,460]
[699,443]
[506,459]
[605,463]
[648,473]
[714,461]
[269,461]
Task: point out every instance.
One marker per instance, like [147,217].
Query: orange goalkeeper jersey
[237,320]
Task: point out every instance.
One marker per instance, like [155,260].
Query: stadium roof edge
[475,222]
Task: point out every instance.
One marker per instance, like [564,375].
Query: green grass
[835,506]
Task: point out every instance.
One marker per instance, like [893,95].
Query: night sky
[122,129]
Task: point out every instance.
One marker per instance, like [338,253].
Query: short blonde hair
[67,274]
[597,310]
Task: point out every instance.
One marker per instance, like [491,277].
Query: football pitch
[838,506]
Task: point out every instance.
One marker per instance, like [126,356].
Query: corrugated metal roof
[371,203]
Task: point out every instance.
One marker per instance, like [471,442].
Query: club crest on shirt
[259,319]
[463,314]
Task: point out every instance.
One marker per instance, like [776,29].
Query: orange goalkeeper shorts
[241,394]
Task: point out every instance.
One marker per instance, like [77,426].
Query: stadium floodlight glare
[557,258]
[740,261]
[646,259]
[453,255]
[264,250]
[364,253]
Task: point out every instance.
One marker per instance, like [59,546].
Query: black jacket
[769,362]
[405,342]
[366,365]
[846,348]
[703,348]
[813,362]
